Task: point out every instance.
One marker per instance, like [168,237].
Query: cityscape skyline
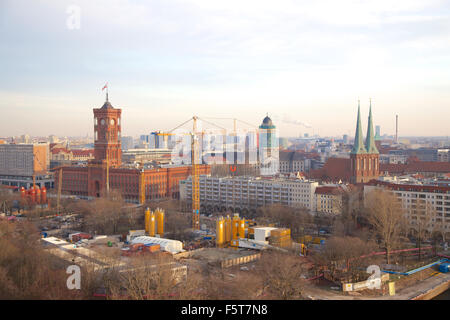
[167,61]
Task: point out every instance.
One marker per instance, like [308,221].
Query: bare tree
[386,216]
[281,275]
[104,214]
[26,270]
[345,256]
[294,218]
[146,277]
[422,220]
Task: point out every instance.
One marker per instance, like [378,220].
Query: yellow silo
[152,224]
[228,229]
[235,227]
[147,219]
[160,221]
[241,228]
[220,231]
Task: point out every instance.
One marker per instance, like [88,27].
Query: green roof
[358,145]
[370,140]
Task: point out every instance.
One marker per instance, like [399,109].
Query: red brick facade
[107,130]
[90,180]
[364,167]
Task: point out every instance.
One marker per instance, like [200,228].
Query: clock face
[102,122]
[112,121]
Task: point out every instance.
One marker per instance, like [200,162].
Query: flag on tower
[106,86]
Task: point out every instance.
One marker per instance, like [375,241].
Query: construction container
[228,229]
[38,194]
[147,220]
[241,228]
[33,195]
[444,267]
[235,227]
[75,237]
[279,232]
[160,221]
[22,192]
[152,224]
[220,225]
[152,247]
[169,245]
[317,240]
[43,195]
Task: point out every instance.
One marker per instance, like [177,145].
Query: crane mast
[195,178]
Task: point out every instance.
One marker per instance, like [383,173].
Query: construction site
[87,232]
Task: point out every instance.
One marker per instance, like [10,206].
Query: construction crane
[195,165]
[195,177]
[58,198]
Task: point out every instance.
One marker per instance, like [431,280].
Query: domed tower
[268,147]
[107,131]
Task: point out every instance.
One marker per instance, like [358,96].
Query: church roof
[358,146]
[370,140]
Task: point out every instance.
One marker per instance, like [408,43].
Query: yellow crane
[58,198]
[195,177]
[195,165]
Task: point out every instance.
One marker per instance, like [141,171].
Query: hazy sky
[165,60]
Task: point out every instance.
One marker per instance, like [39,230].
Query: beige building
[329,199]
[19,162]
[241,194]
[419,200]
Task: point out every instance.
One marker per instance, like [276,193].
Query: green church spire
[370,140]
[358,145]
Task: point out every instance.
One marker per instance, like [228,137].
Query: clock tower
[107,133]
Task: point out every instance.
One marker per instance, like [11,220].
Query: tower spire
[358,146]
[370,140]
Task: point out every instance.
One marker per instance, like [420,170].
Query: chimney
[396,128]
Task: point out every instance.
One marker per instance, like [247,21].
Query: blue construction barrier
[416,270]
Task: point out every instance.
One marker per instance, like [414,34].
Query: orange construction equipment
[33,195]
[22,192]
[152,224]
[43,195]
[38,194]
[220,232]
[147,220]
[228,229]
[235,227]
[241,228]
[160,221]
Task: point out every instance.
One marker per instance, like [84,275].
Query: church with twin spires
[364,157]
[364,162]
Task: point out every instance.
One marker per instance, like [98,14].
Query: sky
[305,63]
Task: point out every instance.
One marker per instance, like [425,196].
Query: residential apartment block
[244,194]
[418,200]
